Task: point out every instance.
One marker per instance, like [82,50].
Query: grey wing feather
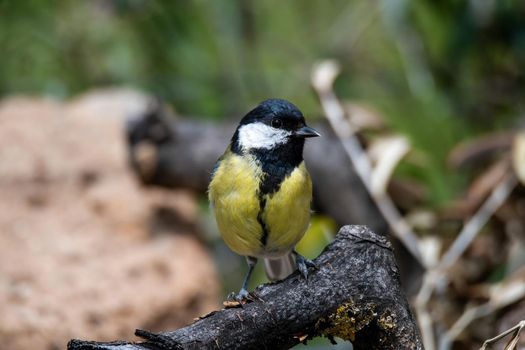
[215,167]
[213,171]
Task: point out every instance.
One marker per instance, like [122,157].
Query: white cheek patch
[259,135]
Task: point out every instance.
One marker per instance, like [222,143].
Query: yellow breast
[234,195]
[287,212]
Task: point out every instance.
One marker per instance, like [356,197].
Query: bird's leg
[243,293]
[303,264]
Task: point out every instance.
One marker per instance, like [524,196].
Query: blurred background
[112,113]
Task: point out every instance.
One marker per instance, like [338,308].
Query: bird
[261,192]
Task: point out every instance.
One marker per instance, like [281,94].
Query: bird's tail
[279,268]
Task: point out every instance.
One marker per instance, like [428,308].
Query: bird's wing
[218,162]
[213,171]
[215,167]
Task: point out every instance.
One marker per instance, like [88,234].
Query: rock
[85,251]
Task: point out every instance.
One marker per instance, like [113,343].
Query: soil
[85,251]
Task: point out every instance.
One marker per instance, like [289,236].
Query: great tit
[261,192]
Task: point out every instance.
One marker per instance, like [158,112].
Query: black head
[274,123]
[274,133]
[279,114]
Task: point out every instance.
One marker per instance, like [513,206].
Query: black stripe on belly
[265,233]
[276,164]
[272,178]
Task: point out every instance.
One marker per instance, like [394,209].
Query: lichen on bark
[347,320]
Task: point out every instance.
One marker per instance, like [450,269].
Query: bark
[354,294]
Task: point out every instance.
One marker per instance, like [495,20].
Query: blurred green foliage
[438,71]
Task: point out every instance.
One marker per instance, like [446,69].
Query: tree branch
[354,294]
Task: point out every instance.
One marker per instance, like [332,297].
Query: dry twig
[437,275]
[323,77]
[516,330]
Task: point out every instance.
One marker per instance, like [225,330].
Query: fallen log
[354,294]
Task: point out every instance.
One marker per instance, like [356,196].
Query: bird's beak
[307,131]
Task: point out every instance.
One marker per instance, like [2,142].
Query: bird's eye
[277,123]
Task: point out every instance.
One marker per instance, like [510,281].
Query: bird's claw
[303,264]
[242,297]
